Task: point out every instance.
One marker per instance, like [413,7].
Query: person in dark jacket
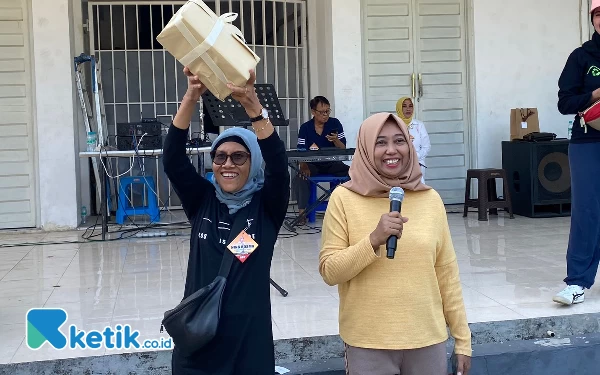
[320,132]
[244,340]
[579,87]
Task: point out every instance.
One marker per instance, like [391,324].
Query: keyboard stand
[291,226]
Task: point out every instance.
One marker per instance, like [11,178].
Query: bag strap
[589,108]
[227,262]
[239,224]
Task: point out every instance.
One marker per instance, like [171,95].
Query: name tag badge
[242,246]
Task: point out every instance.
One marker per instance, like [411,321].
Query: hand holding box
[210,46]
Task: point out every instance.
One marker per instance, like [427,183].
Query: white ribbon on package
[202,48]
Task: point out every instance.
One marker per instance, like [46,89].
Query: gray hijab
[256,178]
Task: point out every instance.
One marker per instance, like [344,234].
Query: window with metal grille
[141,80]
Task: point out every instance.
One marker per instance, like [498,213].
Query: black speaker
[130,135]
[151,127]
[539,177]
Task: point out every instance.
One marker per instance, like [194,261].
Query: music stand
[230,113]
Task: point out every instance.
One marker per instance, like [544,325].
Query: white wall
[82,165]
[347,73]
[520,50]
[55,111]
[320,51]
[335,59]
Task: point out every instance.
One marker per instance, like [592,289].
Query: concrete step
[520,346]
[554,356]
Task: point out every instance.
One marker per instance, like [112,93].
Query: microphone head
[397,194]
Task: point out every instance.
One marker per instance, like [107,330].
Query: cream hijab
[365,179]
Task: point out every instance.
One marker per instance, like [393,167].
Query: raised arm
[189,186]
[277,177]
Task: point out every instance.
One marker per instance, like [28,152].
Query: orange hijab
[365,179]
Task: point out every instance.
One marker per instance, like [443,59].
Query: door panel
[425,38]
[17,173]
[441,51]
[389,52]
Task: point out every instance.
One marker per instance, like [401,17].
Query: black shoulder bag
[194,322]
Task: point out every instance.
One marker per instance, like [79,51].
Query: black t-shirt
[248,288]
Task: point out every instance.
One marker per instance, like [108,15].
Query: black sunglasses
[238,158]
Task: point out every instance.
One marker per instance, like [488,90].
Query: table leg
[103,202]
[297,169]
[327,193]
[290,225]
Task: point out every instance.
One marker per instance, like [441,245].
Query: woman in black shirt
[579,87]
[244,340]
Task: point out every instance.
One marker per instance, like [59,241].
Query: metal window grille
[141,79]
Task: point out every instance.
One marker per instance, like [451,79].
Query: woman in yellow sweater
[393,312]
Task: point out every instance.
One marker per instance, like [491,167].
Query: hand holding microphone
[390,226]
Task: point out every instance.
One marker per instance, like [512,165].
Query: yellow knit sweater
[396,304]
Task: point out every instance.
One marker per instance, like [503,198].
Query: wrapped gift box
[210,46]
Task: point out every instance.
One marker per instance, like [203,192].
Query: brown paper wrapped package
[210,46]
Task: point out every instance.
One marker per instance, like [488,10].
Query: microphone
[396,198]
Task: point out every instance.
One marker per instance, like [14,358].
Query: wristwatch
[264,114]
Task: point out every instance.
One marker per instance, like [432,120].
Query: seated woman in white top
[418,134]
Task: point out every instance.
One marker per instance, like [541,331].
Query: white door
[17,186]
[417,48]
[389,53]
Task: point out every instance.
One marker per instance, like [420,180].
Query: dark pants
[334,168]
[583,254]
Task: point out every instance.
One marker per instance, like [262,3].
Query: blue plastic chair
[333,183]
[126,209]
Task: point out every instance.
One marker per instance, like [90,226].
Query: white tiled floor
[509,269]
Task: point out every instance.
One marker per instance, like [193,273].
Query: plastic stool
[333,183]
[487,199]
[124,207]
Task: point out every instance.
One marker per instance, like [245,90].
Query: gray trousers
[431,360]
